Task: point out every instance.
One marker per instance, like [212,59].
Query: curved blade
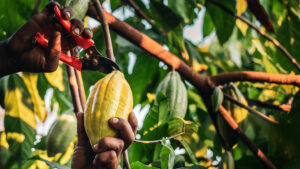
[93,60]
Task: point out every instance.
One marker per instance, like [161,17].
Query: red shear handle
[80,40]
[70,60]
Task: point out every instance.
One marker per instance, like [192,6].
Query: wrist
[8,63]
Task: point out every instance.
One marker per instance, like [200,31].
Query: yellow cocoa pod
[110,97]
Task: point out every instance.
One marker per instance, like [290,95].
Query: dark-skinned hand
[33,58]
[107,152]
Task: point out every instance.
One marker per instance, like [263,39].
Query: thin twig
[253,76]
[74,88]
[126,159]
[36,7]
[282,107]
[256,151]
[79,80]
[159,141]
[139,11]
[251,110]
[105,27]
[264,34]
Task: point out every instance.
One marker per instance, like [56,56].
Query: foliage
[224,45]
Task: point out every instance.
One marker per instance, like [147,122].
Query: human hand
[107,152]
[33,58]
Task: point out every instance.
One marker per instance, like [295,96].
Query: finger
[77,27]
[109,143]
[133,122]
[87,33]
[108,160]
[67,13]
[53,52]
[49,9]
[83,140]
[124,129]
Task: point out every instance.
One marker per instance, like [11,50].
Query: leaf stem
[251,110]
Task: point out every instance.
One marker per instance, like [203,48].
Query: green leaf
[139,165]
[224,22]
[217,98]
[19,119]
[54,165]
[184,9]
[208,25]
[167,156]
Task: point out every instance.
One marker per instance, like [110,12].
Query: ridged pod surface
[110,97]
[61,134]
[175,91]
[238,113]
[227,161]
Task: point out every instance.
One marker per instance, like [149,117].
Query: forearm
[8,64]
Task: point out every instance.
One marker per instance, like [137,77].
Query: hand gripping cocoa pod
[110,97]
[227,161]
[238,113]
[61,134]
[175,91]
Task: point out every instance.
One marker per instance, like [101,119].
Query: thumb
[83,140]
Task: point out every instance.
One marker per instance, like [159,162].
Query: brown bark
[252,76]
[260,14]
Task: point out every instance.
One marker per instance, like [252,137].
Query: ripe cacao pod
[110,97]
[227,161]
[238,113]
[61,134]
[174,89]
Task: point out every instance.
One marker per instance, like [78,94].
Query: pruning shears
[92,60]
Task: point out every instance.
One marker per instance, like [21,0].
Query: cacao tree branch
[263,34]
[255,150]
[251,110]
[202,83]
[252,76]
[105,27]
[282,107]
[126,160]
[139,11]
[79,80]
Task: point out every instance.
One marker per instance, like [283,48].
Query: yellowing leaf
[241,6]
[39,109]
[267,95]
[198,67]
[3,142]
[56,79]
[151,97]
[15,107]
[15,136]
[242,26]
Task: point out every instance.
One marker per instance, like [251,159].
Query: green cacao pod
[238,113]
[217,98]
[61,134]
[110,97]
[227,161]
[175,91]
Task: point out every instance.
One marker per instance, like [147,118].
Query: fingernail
[95,146]
[115,120]
[68,15]
[76,31]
